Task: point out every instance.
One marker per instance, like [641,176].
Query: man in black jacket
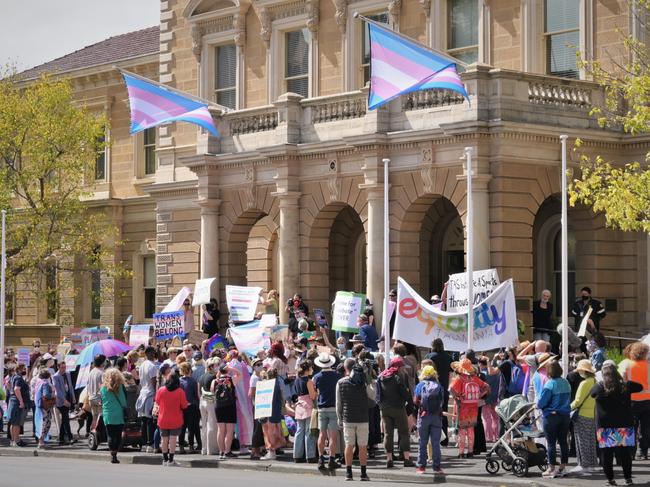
[352,414]
[581,307]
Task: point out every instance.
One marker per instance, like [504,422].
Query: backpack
[471,393]
[432,397]
[517,378]
[224,392]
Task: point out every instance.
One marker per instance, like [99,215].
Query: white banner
[139,335]
[419,323]
[176,304]
[242,302]
[203,291]
[347,308]
[485,282]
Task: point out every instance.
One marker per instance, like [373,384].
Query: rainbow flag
[399,65]
[151,105]
[216,342]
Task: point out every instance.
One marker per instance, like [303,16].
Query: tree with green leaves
[621,193]
[48,148]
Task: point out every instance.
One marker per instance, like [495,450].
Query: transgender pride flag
[399,65]
[152,105]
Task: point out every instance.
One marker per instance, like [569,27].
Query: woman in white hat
[584,422]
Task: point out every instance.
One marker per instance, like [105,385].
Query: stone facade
[290,196]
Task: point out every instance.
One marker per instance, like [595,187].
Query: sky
[33,32]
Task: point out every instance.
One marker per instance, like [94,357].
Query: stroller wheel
[505,466]
[543,466]
[520,467]
[492,466]
[93,442]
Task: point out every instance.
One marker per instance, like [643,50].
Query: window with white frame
[149,150]
[382,18]
[463,30]
[225,75]
[149,285]
[562,37]
[296,73]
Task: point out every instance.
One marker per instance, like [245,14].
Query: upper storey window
[562,37]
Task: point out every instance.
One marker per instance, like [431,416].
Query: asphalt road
[57,472]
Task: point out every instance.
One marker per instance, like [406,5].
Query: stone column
[289,248]
[481,222]
[209,237]
[375,257]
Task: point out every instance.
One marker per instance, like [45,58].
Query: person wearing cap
[555,404]
[584,422]
[325,383]
[467,390]
[368,333]
[392,397]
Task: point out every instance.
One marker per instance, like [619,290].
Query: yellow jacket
[584,400]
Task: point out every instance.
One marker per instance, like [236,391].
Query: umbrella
[108,347]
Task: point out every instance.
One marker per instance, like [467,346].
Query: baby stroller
[516,450]
[132,434]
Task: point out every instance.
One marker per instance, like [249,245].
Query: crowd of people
[334,403]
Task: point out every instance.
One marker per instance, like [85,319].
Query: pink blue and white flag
[152,105]
[399,65]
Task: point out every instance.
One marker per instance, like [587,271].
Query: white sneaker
[579,469]
[13,444]
[204,452]
[173,464]
[148,449]
[244,451]
[269,456]
[165,463]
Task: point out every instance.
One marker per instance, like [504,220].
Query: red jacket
[170,408]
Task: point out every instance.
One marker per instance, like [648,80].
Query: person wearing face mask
[542,317]
[296,309]
[18,404]
[582,306]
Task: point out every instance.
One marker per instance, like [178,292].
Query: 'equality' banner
[485,282]
[168,325]
[419,323]
[347,308]
[242,302]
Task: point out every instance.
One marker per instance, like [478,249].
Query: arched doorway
[335,256]
[262,254]
[547,258]
[430,244]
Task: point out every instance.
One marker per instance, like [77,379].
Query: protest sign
[319,317]
[197,337]
[264,398]
[242,302]
[277,333]
[419,323]
[216,342]
[347,308]
[582,331]
[485,282]
[23,356]
[168,325]
[94,334]
[71,362]
[250,338]
[203,291]
[82,377]
[269,320]
[139,335]
[177,301]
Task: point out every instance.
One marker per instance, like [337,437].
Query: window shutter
[226,75]
[562,16]
[297,62]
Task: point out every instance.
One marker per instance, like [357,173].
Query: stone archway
[262,254]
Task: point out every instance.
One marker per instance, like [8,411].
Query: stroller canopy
[513,407]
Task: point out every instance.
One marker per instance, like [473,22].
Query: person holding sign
[582,305]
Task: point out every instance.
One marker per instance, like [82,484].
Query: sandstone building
[290,196]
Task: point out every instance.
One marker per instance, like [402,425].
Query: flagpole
[386,318]
[210,103]
[470,250]
[3,265]
[452,59]
[565,266]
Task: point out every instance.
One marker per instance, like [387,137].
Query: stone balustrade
[495,94]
